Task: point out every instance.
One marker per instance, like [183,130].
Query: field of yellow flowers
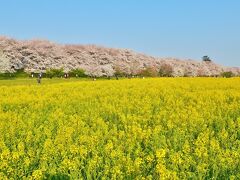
[162,128]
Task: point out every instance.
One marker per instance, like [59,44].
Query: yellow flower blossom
[160,128]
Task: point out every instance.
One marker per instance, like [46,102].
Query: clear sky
[162,28]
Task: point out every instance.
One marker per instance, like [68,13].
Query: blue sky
[162,28]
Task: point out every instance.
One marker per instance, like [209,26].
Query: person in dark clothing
[39,78]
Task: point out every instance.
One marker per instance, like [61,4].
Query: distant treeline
[163,71]
[50,73]
[166,70]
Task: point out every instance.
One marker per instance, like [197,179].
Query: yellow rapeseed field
[163,128]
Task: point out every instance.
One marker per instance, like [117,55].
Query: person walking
[39,78]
